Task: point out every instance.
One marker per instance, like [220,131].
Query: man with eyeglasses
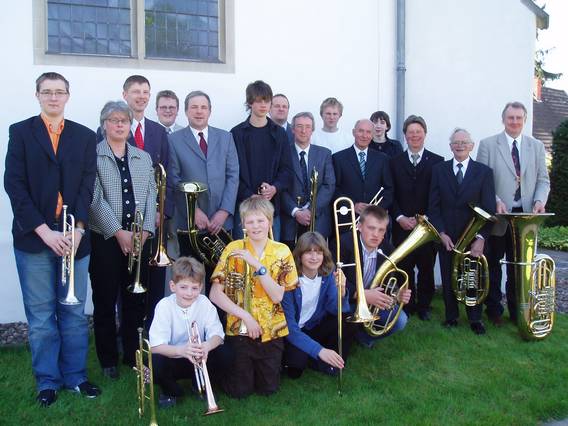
[167,107]
[50,169]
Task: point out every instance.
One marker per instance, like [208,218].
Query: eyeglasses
[51,93]
[303,126]
[116,121]
[460,143]
[167,108]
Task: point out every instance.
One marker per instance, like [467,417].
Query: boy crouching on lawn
[258,352]
[173,353]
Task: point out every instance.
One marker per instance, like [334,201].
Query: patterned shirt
[128,202]
[279,263]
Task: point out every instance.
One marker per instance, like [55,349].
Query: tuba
[238,285]
[144,377]
[392,279]
[161,258]
[470,275]
[534,275]
[313,199]
[68,261]
[135,255]
[208,246]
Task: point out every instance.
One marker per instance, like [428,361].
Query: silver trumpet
[68,260]
[201,374]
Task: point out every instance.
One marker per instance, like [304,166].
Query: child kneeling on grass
[173,352]
[258,354]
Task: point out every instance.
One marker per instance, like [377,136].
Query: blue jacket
[327,304]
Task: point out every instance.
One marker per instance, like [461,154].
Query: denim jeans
[58,334]
[366,340]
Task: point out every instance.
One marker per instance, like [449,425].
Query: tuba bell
[238,285]
[393,280]
[68,261]
[535,276]
[161,258]
[470,275]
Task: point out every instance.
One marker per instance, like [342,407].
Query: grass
[424,375]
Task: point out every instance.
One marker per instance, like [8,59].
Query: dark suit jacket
[448,208]
[391,147]
[35,174]
[289,133]
[411,186]
[320,158]
[350,183]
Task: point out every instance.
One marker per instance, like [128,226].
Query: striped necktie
[362,164]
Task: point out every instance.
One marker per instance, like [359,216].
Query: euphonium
[470,275]
[208,246]
[135,255]
[161,258]
[238,285]
[68,260]
[145,376]
[394,280]
[534,275]
[313,199]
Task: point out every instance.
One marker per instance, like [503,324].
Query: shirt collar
[298,149]
[420,154]
[357,151]
[464,163]
[510,141]
[196,133]
[367,253]
[49,127]
[135,125]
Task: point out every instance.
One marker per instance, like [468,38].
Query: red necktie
[138,137]
[202,144]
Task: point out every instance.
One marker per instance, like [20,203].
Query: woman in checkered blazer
[124,183]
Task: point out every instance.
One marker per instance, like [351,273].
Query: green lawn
[424,375]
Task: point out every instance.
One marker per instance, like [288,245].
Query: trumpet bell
[161,259]
[136,288]
[70,300]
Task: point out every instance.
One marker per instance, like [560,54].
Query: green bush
[559,176]
[555,238]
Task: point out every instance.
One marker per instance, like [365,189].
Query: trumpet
[135,255]
[161,258]
[145,376]
[68,260]
[200,369]
[238,286]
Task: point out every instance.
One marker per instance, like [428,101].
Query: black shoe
[165,401]
[477,327]
[496,321]
[87,389]
[424,315]
[450,323]
[111,372]
[46,397]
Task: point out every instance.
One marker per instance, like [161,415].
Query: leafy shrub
[559,176]
[555,238]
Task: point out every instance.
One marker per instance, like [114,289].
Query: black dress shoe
[111,372]
[450,323]
[477,327]
[46,397]
[87,389]
[424,315]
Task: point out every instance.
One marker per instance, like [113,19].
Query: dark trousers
[325,333]
[422,288]
[450,301]
[167,371]
[109,279]
[499,247]
[256,366]
[156,282]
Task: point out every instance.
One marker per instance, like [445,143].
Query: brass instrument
[299,205]
[238,285]
[145,376]
[68,260]
[377,198]
[470,275]
[135,255]
[313,199]
[207,246]
[534,275]
[201,373]
[161,258]
[394,280]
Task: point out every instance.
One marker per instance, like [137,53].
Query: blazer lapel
[503,147]
[192,143]
[470,175]
[296,163]
[527,152]
[65,142]
[42,136]
[451,177]
[407,165]
[312,160]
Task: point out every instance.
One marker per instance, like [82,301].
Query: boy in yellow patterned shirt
[256,324]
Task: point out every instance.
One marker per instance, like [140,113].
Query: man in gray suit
[205,154]
[296,216]
[521,185]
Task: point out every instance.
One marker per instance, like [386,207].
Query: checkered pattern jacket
[105,215]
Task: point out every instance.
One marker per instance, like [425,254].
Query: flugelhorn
[535,276]
[200,368]
[238,285]
[161,258]
[470,275]
[135,255]
[68,260]
[145,377]
[393,280]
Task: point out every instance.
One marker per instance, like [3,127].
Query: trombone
[68,260]
[161,258]
[313,199]
[145,376]
[374,201]
[135,255]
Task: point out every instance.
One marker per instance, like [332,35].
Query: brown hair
[381,115]
[51,76]
[414,119]
[140,79]
[255,90]
[310,241]
[167,94]
[331,102]
[375,211]
[188,267]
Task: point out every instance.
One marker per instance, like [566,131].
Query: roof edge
[541,16]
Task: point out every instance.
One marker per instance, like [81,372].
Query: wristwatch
[260,272]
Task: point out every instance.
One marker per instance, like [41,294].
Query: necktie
[459,174]
[168,130]
[202,144]
[362,164]
[138,137]
[415,158]
[304,169]
[517,164]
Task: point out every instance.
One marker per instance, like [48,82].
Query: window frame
[138,60]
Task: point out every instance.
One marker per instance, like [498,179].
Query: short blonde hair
[256,204]
[188,268]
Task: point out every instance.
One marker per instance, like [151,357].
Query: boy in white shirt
[173,353]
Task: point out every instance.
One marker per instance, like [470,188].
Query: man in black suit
[361,172]
[456,184]
[50,169]
[411,173]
